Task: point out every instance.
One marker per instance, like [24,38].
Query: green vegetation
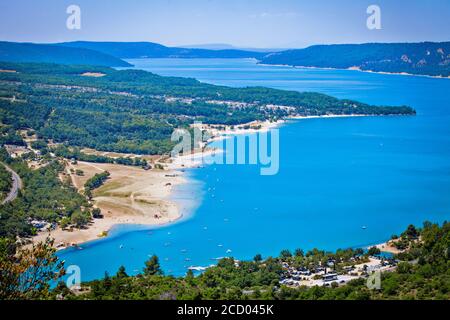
[74,153]
[9,136]
[31,52]
[423,273]
[44,197]
[374,251]
[26,273]
[5,181]
[134,111]
[427,58]
[96,181]
[39,145]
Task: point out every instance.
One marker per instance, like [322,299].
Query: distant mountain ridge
[132,50]
[48,53]
[224,46]
[425,58]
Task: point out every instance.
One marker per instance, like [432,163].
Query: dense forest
[135,111]
[31,52]
[5,182]
[426,58]
[422,272]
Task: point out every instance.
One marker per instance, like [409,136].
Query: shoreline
[387,247]
[356,69]
[164,181]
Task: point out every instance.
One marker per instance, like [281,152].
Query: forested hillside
[31,52]
[45,197]
[136,111]
[427,58]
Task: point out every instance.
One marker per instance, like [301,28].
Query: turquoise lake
[335,176]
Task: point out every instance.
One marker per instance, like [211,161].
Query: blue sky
[244,23]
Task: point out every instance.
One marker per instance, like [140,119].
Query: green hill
[135,111]
[427,58]
[30,52]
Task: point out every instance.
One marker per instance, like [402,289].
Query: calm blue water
[335,176]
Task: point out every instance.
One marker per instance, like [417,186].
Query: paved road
[16,185]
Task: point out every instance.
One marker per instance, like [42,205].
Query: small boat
[364,227]
[197,268]
[220,245]
[228,251]
[121,246]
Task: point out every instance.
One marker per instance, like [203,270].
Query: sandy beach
[388,247]
[217,133]
[130,196]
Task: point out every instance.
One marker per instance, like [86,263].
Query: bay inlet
[336,175]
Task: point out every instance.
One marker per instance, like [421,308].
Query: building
[330,277]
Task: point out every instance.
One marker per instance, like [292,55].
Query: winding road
[16,185]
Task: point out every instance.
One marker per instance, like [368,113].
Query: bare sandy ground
[388,247]
[130,196]
[93,74]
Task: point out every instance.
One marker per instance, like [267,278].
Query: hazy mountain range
[129,50]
